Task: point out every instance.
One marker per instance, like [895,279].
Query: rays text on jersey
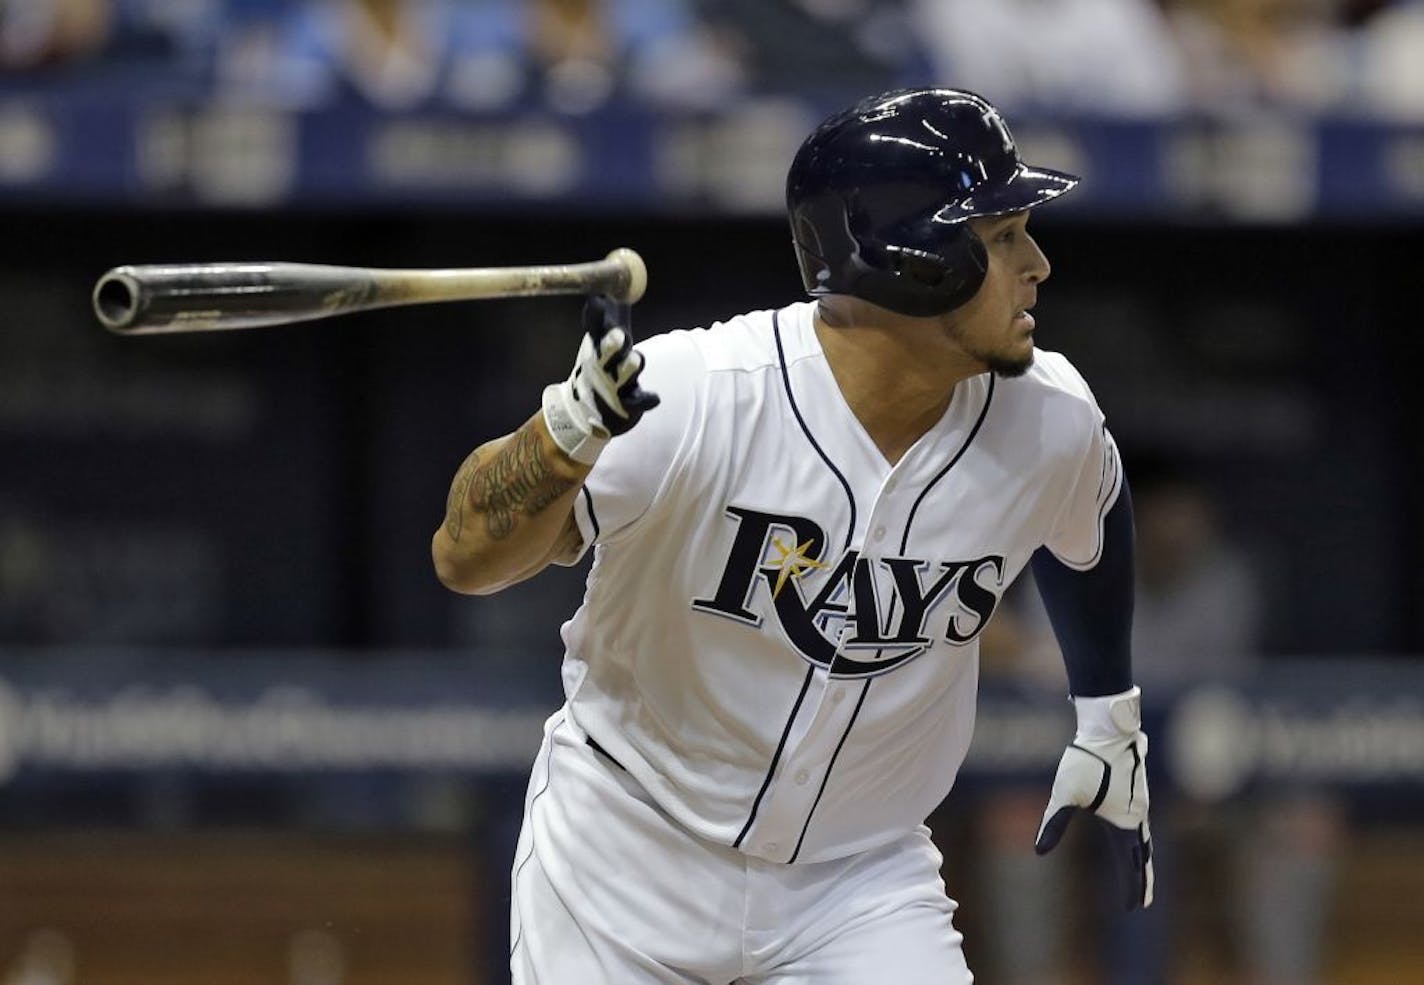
[859,616]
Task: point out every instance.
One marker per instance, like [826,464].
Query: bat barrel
[116,299]
[136,300]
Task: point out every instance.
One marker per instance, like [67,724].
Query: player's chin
[1013,361]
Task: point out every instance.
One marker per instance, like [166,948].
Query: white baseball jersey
[779,635]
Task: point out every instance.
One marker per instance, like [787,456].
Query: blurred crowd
[1136,58]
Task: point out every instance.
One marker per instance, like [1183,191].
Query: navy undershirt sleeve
[1091,611]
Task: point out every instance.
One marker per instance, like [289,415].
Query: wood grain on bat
[163,298]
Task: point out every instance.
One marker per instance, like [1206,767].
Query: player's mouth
[1024,320]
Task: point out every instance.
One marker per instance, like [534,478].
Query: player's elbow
[464,574]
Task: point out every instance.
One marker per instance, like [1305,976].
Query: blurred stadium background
[245,737]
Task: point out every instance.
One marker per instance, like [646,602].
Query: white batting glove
[1104,772]
[601,398]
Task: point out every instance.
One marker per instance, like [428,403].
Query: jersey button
[889,485]
[770,847]
[801,777]
[837,697]
[878,533]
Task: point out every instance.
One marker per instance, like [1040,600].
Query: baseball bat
[213,297]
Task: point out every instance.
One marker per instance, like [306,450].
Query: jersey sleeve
[634,466]
[1077,536]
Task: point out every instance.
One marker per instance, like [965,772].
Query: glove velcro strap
[1109,717]
[580,437]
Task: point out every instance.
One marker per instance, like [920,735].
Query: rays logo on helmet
[995,121]
[856,616]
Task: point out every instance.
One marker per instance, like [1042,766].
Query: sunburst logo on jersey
[791,563]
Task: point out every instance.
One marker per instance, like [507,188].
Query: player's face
[995,327]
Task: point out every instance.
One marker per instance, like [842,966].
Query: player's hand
[1104,772]
[601,398]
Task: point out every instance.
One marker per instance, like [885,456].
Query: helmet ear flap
[923,268]
[968,257]
[920,283]
[918,266]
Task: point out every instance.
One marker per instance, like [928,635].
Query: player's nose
[1036,268]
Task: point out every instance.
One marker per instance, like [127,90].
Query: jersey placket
[829,712]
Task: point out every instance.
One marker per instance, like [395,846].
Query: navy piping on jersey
[776,757]
[973,433]
[592,516]
[850,531]
[514,880]
[904,543]
[796,409]
[829,766]
[1111,468]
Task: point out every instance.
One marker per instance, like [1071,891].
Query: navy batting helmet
[879,197]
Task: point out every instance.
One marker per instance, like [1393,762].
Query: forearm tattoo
[459,491]
[517,479]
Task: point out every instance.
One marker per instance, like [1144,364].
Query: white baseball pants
[608,890]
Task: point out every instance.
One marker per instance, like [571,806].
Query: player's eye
[1008,235]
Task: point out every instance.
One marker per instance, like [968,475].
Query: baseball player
[802,520]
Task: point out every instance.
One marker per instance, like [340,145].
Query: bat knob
[637,272]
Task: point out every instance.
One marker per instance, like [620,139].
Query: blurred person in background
[1391,63]
[42,34]
[1099,57]
[820,48]
[1198,619]
[391,54]
[655,51]
[141,43]
[568,55]
[1243,55]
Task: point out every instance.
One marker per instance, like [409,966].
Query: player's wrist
[1109,717]
[573,429]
